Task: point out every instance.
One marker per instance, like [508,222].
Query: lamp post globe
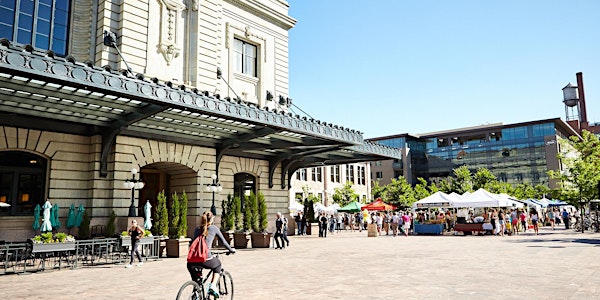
[214,187]
[133,184]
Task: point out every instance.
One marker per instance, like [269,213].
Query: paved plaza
[559,264]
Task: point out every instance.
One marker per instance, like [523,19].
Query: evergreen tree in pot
[260,237]
[177,244]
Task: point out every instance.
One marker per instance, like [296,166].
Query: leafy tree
[433,188]
[462,181]
[400,192]
[421,190]
[379,191]
[161,227]
[445,186]
[483,177]
[524,191]
[309,209]
[344,195]
[581,178]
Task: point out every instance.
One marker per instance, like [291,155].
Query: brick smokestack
[583,113]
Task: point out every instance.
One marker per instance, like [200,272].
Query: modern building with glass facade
[514,153]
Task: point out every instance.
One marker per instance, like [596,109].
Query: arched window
[22,182]
[243,185]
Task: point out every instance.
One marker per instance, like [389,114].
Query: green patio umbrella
[79,218]
[71,217]
[36,217]
[352,207]
[54,216]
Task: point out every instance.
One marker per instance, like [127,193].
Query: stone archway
[172,178]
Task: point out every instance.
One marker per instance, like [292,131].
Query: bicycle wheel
[190,291]
[225,286]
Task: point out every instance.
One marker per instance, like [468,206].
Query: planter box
[228,235]
[240,240]
[126,241]
[260,240]
[51,247]
[178,247]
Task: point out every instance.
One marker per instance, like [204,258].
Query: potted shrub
[84,227]
[178,244]
[110,225]
[161,226]
[241,235]
[227,220]
[260,237]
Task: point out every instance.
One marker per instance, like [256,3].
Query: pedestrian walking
[136,234]
[279,232]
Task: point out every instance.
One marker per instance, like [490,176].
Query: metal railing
[20,257]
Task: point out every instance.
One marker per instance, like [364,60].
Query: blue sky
[386,67]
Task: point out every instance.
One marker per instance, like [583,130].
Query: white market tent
[437,199]
[295,207]
[483,198]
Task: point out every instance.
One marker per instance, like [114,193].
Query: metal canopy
[39,91]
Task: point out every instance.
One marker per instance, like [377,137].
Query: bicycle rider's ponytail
[205,222]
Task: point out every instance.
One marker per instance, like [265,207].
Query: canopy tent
[352,207]
[378,205]
[557,203]
[295,207]
[483,198]
[437,199]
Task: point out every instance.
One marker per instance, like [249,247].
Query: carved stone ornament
[169,24]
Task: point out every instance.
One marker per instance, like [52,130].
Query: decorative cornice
[377,149]
[261,10]
[14,60]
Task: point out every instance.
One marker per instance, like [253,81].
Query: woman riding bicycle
[209,231]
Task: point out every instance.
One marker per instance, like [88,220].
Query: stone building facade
[179,90]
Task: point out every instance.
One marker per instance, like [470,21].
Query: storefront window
[22,182]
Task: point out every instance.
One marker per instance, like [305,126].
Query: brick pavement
[556,264]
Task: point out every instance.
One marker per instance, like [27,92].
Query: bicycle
[196,290]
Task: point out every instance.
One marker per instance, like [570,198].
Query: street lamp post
[133,184]
[214,187]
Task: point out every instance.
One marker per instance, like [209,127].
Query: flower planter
[178,247]
[240,240]
[126,241]
[51,247]
[261,240]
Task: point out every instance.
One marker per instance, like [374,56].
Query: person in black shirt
[136,234]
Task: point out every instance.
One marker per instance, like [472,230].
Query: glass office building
[515,153]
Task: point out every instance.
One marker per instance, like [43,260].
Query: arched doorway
[167,177]
[22,182]
[243,185]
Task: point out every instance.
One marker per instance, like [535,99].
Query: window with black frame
[44,24]
[22,182]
